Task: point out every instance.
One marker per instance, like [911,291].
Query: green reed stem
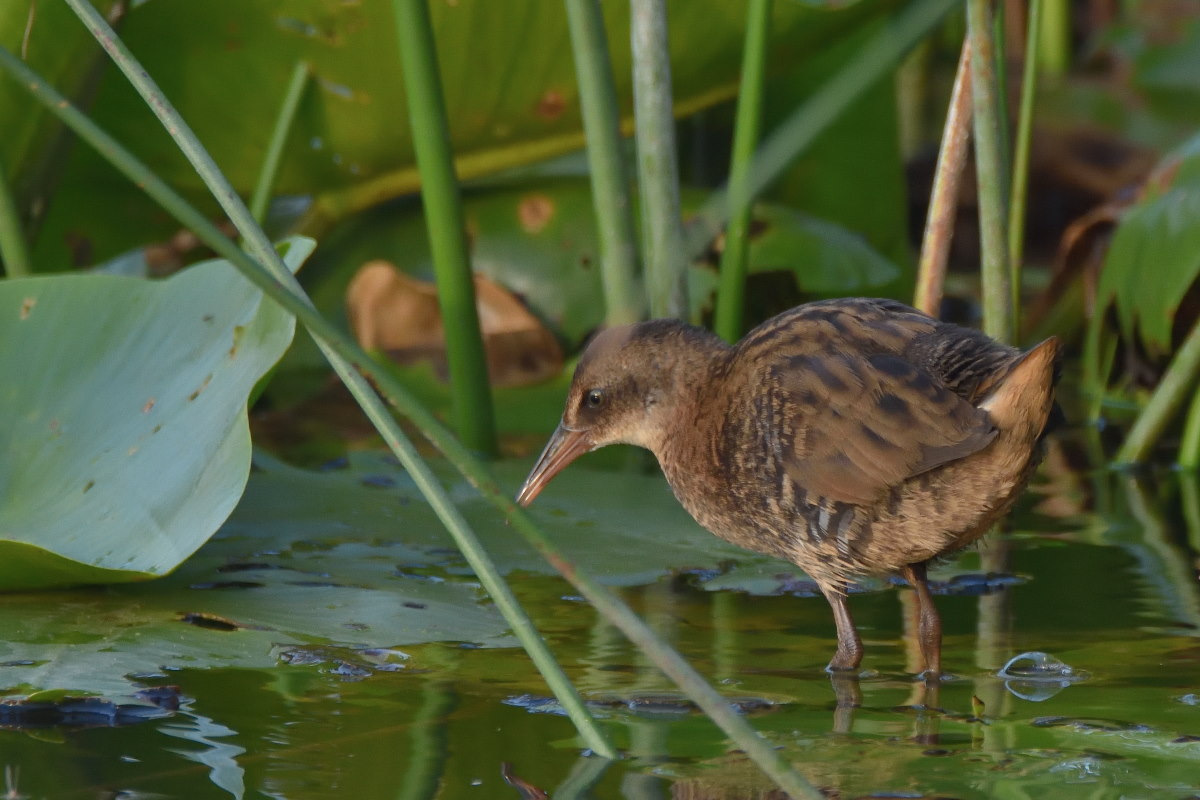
[1189,448]
[943,200]
[658,167]
[261,197]
[470,392]
[14,250]
[343,351]
[746,132]
[1020,171]
[429,751]
[874,62]
[1178,385]
[989,168]
[609,176]
[267,271]
[1054,44]
[1001,62]
[1099,355]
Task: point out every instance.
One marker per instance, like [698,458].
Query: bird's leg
[849,649]
[929,628]
[848,693]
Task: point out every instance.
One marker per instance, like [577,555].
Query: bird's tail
[1022,401]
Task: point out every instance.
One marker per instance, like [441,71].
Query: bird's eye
[594,398]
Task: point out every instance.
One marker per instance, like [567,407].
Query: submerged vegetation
[132,450]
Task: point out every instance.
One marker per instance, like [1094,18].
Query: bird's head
[626,389]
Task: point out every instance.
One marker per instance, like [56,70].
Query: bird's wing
[851,426]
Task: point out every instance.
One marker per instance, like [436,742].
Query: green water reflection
[1111,591]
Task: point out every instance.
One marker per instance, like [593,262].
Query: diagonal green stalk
[747,127]
[989,169]
[658,167]
[1020,170]
[583,777]
[606,163]
[943,200]
[470,391]
[261,196]
[267,270]
[292,298]
[875,61]
[1176,387]
[14,250]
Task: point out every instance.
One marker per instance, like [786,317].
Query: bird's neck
[687,422]
[682,375]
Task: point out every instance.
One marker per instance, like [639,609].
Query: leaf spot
[27,307]
[551,104]
[201,388]
[535,212]
[239,332]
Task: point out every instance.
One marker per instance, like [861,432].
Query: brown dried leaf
[399,314]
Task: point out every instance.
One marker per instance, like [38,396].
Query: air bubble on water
[1038,676]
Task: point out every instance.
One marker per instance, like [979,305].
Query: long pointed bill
[563,448]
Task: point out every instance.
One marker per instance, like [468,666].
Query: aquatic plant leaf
[823,258]
[127,441]
[1155,253]
[351,146]
[309,583]
[858,156]
[637,515]
[537,238]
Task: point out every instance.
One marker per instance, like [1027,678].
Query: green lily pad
[637,534]
[286,583]
[128,442]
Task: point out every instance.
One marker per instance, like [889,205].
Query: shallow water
[1103,577]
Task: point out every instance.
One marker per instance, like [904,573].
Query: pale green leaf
[126,444]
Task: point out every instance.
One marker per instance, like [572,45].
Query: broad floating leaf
[124,402]
[306,583]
